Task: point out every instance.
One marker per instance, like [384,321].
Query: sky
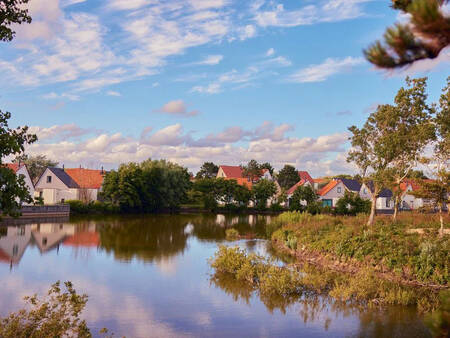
[108,82]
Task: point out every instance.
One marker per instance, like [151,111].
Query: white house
[14,243]
[291,190]
[21,171]
[335,189]
[385,199]
[57,185]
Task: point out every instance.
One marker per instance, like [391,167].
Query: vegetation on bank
[386,247]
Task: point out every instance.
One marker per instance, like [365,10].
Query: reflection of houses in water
[49,235]
[13,243]
[252,220]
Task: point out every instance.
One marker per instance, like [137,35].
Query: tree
[207,170]
[252,171]
[304,194]
[352,204]
[147,187]
[12,12]
[268,166]
[242,195]
[36,165]
[209,192]
[424,37]
[13,190]
[262,191]
[409,123]
[288,176]
[57,315]
[417,175]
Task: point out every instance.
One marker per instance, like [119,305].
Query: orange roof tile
[328,187]
[86,178]
[241,181]
[292,189]
[232,171]
[304,175]
[13,166]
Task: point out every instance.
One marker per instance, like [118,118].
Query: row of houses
[330,192]
[57,185]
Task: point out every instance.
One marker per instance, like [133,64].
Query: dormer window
[49,179]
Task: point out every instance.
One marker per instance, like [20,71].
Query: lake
[149,276]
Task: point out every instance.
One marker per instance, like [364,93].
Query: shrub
[232,234]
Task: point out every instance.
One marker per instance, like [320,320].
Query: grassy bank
[345,244]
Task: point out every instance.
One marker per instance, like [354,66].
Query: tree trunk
[441,219]
[372,211]
[394,218]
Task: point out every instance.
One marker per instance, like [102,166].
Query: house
[236,173]
[291,190]
[305,176]
[22,170]
[57,185]
[408,200]
[47,236]
[385,199]
[336,189]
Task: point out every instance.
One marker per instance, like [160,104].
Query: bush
[96,207]
[231,234]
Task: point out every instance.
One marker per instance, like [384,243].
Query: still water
[149,277]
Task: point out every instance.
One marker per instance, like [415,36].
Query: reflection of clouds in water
[134,319]
[188,229]
[167,266]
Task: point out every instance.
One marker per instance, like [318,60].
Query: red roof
[83,239]
[4,257]
[13,166]
[328,187]
[86,178]
[295,186]
[232,171]
[304,175]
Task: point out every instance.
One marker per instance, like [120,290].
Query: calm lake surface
[149,277]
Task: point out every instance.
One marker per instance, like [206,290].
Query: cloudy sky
[105,82]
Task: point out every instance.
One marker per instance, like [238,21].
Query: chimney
[102,171]
[63,167]
[80,166]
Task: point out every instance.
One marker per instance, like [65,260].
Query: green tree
[242,195]
[304,194]
[417,175]
[36,165]
[57,315]
[207,170]
[352,204]
[262,191]
[12,12]
[209,192]
[288,176]
[147,187]
[268,166]
[424,37]
[13,190]
[409,123]
[252,170]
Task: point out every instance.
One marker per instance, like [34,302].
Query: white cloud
[177,108]
[247,32]
[127,4]
[274,14]
[65,131]
[210,60]
[321,72]
[234,145]
[113,93]
[54,96]
[270,52]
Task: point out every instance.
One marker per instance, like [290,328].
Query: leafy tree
[57,315]
[242,195]
[252,170]
[410,127]
[36,165]
[417,175]
[268,166]
[208,189]
[262,191]
[13,190]
[288,176]
[424,37]
[352,204]
[147,187]
[207,170]
[12,12]
[304,194]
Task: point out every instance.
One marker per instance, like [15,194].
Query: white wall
[23,171]
[335,194]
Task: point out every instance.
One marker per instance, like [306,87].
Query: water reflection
[149,276]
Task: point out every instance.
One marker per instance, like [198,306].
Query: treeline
[149,186]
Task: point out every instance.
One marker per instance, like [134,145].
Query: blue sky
[105,82]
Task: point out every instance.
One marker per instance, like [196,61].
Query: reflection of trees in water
[146,238]
[315,308]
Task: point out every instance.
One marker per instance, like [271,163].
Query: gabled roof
[304,175]
[232,171]
[86,178]
[292,189]
[352,185]
[64,177]
[328,187]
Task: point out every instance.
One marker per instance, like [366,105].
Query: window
[62,200]
[339,190]
[41,194]
[388,202]
[365,191]
[49,179]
